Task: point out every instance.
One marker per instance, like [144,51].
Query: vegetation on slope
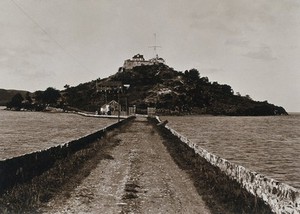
[7,95]
[37,101]
[159,86]
[170,92]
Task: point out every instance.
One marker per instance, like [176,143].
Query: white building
[138,60]
[111,108]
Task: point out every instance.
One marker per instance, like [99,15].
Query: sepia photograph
[150,106]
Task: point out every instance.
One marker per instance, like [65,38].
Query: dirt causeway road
[140,177]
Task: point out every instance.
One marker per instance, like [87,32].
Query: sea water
[268,145]
[25,132]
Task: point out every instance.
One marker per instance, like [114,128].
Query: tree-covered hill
[170,91]
[7,95]
[156,85]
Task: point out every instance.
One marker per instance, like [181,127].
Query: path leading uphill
[140,177]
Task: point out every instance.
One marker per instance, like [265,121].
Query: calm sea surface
[24,132]
[269,145]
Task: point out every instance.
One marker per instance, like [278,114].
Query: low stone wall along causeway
[279,197]
[23,168]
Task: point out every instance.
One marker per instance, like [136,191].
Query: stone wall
[280,197]
[129,64]
[23,168]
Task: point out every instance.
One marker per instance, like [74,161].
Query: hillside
[170,91]
[7,95]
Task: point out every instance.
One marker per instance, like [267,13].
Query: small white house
[111,108]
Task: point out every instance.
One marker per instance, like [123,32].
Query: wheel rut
[140,177]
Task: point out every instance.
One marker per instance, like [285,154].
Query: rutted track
[139,177]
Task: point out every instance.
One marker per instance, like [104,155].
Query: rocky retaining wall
[250,187]
[23,168]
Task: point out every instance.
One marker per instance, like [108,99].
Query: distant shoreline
[294,113]
[2,108]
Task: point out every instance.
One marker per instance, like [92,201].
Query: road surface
[140,177]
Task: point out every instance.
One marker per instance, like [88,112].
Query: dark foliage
[7,95]
[170,91]
[37,101]
[16,102]
[50,96]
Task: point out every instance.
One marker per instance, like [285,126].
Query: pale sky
[254,46]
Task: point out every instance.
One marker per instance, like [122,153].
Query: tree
[28,97]
[205,79]
[38,96]
[192,75]
[16,101]
[215,83]
[227,89]
[51,96]
[248,97]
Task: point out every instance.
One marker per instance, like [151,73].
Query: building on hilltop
[139,60]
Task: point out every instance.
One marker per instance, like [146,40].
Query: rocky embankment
[137,167]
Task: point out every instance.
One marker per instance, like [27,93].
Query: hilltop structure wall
[129,64]
[138,60]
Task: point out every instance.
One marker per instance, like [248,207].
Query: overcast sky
[254,46]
